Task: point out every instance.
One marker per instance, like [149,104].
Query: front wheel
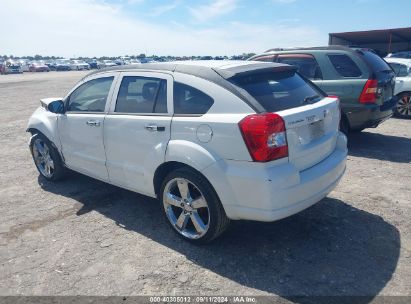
[403,107]
[192,207]
[46,158]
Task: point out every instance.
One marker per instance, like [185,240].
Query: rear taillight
[369,93]
[265,137]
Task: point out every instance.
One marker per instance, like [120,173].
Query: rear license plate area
[310,132]
[316,130]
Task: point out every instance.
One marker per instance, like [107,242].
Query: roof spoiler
[253,69]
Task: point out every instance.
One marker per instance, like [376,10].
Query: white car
[24,63]
[107,63]
[134,62]
[402,69]
[79,65]
[214,141]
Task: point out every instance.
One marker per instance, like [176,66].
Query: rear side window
[306,64]
[142,95]
[279,90]
[375,62]
[344,65]
[189,100]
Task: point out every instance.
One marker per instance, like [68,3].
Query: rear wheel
[403,107]
[344,125]
[46,158]
[192,207]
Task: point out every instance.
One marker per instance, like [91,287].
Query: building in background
[382,41]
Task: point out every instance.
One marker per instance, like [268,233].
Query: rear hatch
[382,72]
[311,119]
[312,132]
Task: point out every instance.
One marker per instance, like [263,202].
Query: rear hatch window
[277,91]
[375,62]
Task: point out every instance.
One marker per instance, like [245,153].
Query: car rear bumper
[369,115]
[255,191]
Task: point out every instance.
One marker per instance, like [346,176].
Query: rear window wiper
[311,98]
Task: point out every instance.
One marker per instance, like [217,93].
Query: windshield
[279,91]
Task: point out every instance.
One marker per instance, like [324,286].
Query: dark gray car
[363,80]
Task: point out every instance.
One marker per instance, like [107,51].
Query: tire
[56,171]
[205,219]
[403,106]
[344,125]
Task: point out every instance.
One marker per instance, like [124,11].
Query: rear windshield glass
[376,63]
[279,91]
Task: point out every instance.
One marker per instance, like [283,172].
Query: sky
[72,28]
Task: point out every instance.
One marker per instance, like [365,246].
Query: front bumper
[255,191]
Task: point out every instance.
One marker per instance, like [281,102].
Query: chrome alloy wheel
[404,105]
[186,208]
[42,158]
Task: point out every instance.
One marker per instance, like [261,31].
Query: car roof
[398,60]
[207,69]
[402,52]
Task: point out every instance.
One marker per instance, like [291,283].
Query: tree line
[140,56]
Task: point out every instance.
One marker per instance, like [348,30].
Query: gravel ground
[85,237]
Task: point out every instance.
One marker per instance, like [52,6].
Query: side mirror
[56,106]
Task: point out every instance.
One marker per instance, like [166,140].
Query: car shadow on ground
[330,249]
[380,146]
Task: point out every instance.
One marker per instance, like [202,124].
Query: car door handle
[155,128]
[93,123]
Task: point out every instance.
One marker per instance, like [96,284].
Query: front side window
[188,100]
[306,64]
[90,96]
[142,95]
[345,66]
